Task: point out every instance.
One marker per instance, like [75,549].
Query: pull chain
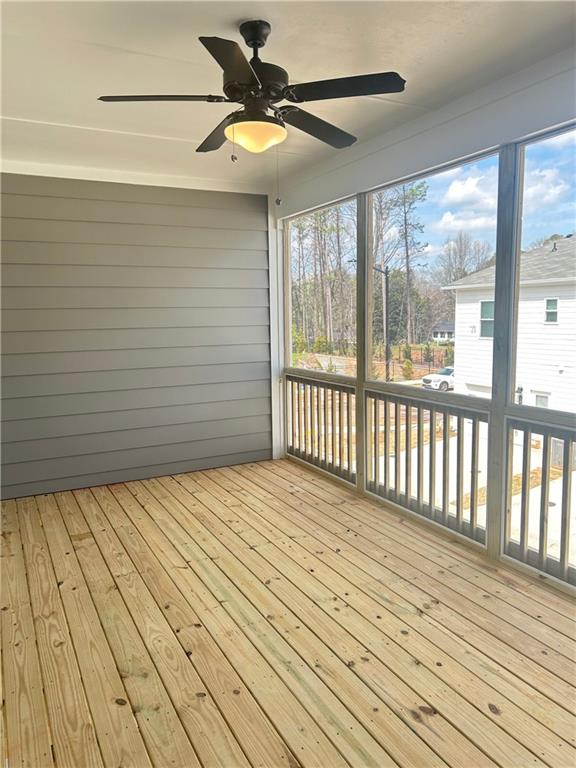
[233,156]
[278,200]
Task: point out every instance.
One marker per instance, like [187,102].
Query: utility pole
[409,334]
[386,273]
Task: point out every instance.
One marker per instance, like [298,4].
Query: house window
[487,319]
[541,399]
[551,310]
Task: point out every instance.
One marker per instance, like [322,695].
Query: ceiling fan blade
[316,127]
[216,138]
[162,97]
[342,87]
[230,57]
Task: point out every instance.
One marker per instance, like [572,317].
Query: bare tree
[410,227]
[460,256]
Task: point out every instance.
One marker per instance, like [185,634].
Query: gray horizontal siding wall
[135,332]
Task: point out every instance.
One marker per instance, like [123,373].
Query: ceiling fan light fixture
[256,133]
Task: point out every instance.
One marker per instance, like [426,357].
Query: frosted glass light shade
[255,135]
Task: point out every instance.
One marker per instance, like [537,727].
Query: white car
[442,380]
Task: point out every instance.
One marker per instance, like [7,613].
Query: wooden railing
[540,525]
[321,424]
[428,454]
[429,458]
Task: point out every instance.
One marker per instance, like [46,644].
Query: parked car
[442,380]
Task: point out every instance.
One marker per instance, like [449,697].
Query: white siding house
[546,337]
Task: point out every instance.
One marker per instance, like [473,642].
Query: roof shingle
[550,262]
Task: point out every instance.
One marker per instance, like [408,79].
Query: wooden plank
[513,718]
[118,735]
[160,679]
[258,738]
[202,720]
[536,598]
[379,536]
[340,648]
[28,737]
[325,630]
[3,744]
[407,612]
[297,727]
[351,737]
[71,725]
[504,621]
[212,745]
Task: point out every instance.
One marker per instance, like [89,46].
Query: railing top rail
[540,428]
[439,400]
[442,408]
[322,377]
[543,418]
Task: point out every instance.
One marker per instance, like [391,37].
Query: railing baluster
[459,471]
[397,448]
[319,424]
[340,429]
[307,390]
[445,466]
[544,499]
[474,474]
[408,455]
[349,433]
[293,401]
[376,404]
[333,417]
[525,498]
[432,463]
[386,452]
[420,469]
[325,388]
[567,459]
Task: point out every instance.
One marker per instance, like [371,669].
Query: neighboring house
[546,336]
[443,331]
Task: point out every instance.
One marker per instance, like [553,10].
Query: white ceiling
[58,57]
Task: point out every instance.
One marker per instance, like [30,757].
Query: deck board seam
[204,473]
[474,615]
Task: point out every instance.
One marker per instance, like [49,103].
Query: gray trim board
[135,332]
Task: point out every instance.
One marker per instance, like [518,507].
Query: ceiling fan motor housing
[273,78]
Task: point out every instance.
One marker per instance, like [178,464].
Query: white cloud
[449,174]
[431,250]
[454,222]
[474,191]
[566,139]
[543,186]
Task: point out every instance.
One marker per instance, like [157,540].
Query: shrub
[449,355]
[428,353]
[321,345]
[408,369]
[298,341]
[407,351]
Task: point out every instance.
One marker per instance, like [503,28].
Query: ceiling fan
[259,86]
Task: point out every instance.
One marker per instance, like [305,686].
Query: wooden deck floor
[262,615]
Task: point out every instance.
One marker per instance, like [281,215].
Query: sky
[465,198]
